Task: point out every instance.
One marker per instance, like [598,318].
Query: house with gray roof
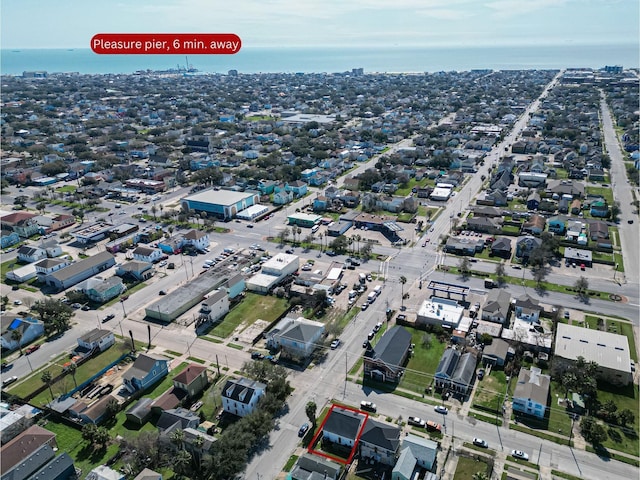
[416,452]
[531,394]
[343,426]
[446,367]
[315,467]
[146,370]
[139,411]
[496,353]
[501,247]
[79,271]
[525,245]
[462,378]
[527,308]
[497,306]
[385,362]
[379,442]
[240,396]
[148,474]
[297,338]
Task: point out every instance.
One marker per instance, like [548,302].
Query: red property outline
[355,443]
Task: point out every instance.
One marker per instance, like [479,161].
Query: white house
[216,305]
[415,452]
[50,265]
[146,254]
[30,254]
[97,338]
[197,239]
[240,396]
[342,426]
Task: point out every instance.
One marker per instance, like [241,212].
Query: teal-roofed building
[223,204]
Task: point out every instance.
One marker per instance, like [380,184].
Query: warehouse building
[223,204]
[79,271]
[273,272]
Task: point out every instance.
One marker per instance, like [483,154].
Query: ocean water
[310,60]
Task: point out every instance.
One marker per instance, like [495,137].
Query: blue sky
[72,23]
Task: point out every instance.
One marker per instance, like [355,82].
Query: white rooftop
[608,350]
[441,309]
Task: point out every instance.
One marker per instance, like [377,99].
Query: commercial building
[79,271]
[609,350]
[223,204]
[440,311]
[273,272]
[253,212]
[304,219]
[93,233]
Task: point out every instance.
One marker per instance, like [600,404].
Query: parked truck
[488,283]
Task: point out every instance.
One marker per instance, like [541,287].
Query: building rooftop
[220,197]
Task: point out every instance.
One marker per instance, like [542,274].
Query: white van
[371,297]
[315,228]
[363,278]
[378,289]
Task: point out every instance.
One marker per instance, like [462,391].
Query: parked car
[480,443]
[335,344]
[162,292]
[108,317]
[416,422]
[441,409]
[17,302]
[368,406]
[257,356]
[32,348]
[331,253]
[9,381]
[519,454]
[481,374]
[304,428]
[364,306]
[85,308]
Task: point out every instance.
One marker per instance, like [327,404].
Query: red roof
[17,217]
[189,374]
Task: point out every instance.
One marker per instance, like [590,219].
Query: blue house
[147,370]
[297,187]
[29,329]
[599,208]
[266,187]
[556,225]
[8,238]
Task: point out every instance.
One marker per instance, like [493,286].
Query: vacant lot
[424,362]
[250,309]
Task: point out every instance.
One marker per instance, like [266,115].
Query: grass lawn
[603,192]
[467,467]
[250,309]
[159,388]
[83,372]
[66,189]
[491,390]
[624,397]
[129,291]
[70,440]
[424,362]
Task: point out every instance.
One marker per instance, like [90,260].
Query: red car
[32,348]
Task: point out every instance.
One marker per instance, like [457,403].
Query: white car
[480,443]
[17,302]
[335,344]
[519,454]
[441,409]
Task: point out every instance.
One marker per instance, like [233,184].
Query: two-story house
[379,442]
[192,379]
[145,371]
[146,254]
[531,394]
[240,396]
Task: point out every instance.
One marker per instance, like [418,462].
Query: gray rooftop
[81,266]
[608,350]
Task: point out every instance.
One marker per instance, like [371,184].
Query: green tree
[427,340]
[592,431]
[112,408]
[311,410]
[177,438]
[16,336]
[464,267]
[582,287]
[339,244]
[365,252]
[626,417]
[500,273]
[539,274]
[55,315]
[283,235]
[5,301]
[46,378]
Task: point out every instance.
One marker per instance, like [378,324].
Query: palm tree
[357,238]
[480,476]
[177,438]
[403,280]
[154,210]
[72,370]
[46,378]
[298,231]
[16,335]
[310,410]
[197,444]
